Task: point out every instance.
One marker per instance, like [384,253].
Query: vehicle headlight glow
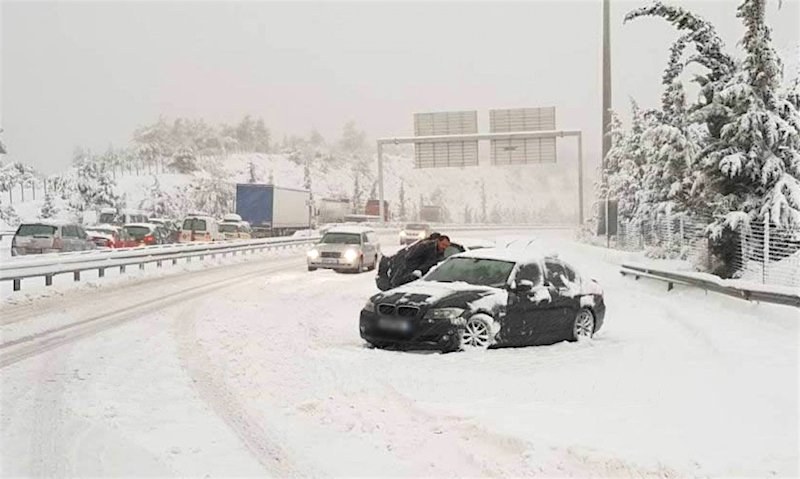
[403,234]
[369,307]
[444,313]
[313,254]
[351,255]
[421,235]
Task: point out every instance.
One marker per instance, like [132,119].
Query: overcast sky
[89,73]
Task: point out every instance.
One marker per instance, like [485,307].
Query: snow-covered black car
[487,298]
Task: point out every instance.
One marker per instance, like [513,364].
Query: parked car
[414,232]
[145,234]
[487,298]
[199,228]
[49,237]
[171,228]
[344,248]
[110,236]
[235,230]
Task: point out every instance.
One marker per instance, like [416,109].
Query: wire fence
[763,253]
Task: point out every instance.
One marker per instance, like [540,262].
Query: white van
[199,228]
[112,216]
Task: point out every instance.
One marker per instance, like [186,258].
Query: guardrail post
[122,268]
[101,272]
[141,266]
[174,261]
[158,264]
[48,280]
[17,284]
[76,275]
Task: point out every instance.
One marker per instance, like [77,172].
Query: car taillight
[149,239]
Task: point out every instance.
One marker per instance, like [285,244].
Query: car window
[570,273]
[36,230]
[341,238]
[138,232]
[70,231]
[556,274]
[453,249]
[108,218]
[478,271]
[530,272]
[194,224]
[364,238]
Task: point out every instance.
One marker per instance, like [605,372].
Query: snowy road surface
[257,369]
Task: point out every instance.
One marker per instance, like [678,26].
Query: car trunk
[32,239]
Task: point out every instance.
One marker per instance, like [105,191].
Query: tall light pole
[606,83]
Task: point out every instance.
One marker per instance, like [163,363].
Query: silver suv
[49,237]
[354,249]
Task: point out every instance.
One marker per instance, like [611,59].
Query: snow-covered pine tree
[158,202]
[213,193]
[753,170]
[93,188]
[49,209]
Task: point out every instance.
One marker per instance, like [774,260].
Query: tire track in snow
[210,383]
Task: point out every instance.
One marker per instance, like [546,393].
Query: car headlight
[444,313]
[403,234]
[313,254]
[369,307]
[351,255]
[421,235]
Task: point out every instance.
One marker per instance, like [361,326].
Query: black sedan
[487,298]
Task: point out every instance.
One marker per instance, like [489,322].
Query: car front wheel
[583,327]
[477,333]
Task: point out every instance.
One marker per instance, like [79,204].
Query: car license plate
[329,261]
[397,325]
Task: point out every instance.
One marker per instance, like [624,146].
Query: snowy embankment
[269,376]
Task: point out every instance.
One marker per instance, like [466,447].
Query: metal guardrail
[716,285]
[50,265]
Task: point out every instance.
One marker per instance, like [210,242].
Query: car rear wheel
[311,268]
[583,327]
[477,333]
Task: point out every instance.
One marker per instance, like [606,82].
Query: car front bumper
[440,334]
[339,264]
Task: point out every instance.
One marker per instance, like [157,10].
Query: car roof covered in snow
[515,255]
[351,229]
[142,225]
[103,226]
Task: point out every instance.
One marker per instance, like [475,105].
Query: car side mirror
[524,286]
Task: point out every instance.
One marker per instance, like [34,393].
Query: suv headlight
[403,234]
[369,307]
[444,313]
[351,255]
[313,254]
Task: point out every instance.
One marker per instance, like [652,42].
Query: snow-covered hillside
[519,194]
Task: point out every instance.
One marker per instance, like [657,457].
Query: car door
[564,300]
[533,312]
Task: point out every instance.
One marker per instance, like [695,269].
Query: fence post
[766,248]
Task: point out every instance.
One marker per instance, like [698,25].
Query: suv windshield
[341,238]
[478,271]
[416,227]
[36,230]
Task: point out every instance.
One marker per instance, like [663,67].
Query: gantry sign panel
[528,151]
[446,153]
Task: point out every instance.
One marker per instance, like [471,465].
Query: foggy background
[89,73]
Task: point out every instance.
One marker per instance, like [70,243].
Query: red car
[110,236]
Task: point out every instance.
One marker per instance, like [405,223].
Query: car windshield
[194,224]
[478,271]
[228,228]
[341,238]
[138,232]
[36,230]
[416,227]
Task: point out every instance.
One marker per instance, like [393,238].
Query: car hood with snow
[432,294]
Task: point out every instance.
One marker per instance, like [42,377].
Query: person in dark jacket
[421,256]
[418,260]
